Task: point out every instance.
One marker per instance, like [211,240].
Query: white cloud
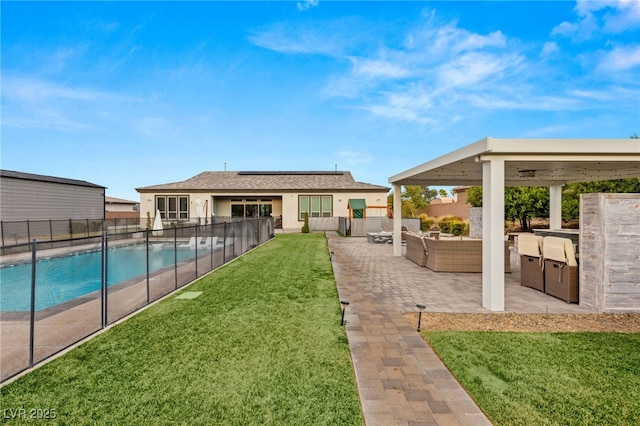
[440,72]
[307,4]
[449,38]
[354,157]
[35,103]
[416,82]
[596,17]
[51,120]
[475,68]
[25,89]
[621,58]
[550,48]
[294,39]
[375,68]
[33,90]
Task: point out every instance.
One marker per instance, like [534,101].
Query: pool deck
[400,379]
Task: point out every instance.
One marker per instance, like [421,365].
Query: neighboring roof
[553,162]
[114,200]
[442,200]
[357,204]
[268,181]
[50,179]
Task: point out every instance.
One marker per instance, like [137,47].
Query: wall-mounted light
[421,307]
[526,173]
[344,305]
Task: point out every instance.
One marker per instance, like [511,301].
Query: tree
[571,193]
[415,198]
[305,226]
[474,196]
[523,203]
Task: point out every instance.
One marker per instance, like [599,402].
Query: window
[303,206]
[237,210]
[251,210]
[251,207]
[173,206]
[161,203]
[183,211]
[315,205]
[326,206]
[266,210]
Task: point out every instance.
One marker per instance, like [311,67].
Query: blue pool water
[64,278]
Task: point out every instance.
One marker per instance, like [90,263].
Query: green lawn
[262,345]
[547,378]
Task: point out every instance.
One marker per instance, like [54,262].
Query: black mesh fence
[60,292]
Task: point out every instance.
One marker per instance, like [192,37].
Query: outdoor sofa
[448,254]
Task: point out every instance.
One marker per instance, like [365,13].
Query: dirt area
[509,321]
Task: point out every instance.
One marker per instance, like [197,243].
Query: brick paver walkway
[400,379]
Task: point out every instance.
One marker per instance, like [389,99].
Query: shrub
[453,225]
[446,222]
[426,222]
[305,227]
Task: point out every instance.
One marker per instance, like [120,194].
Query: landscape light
[421,307]
[344,305]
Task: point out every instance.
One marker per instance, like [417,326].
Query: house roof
[268,181]
[531,162]
[114,200]
[43,178]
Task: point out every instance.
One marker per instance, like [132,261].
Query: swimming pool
[64,278]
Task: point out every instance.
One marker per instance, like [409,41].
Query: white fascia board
[565,146]
[562,157]
[465,152]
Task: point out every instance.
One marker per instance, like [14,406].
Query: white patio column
[555,207]
[493,234]
[397,220]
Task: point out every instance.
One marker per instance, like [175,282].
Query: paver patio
[400,379]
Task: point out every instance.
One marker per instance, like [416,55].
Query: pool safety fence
[17,236]
[51,299]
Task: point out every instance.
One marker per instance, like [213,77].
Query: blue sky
[126,94]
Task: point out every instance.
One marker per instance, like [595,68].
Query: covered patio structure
[499,163]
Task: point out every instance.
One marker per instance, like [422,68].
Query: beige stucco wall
[119,207]
[290,222]
[284,204]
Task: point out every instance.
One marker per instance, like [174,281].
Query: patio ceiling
[531,162]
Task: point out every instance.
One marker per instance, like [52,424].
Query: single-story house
[284,195]
[27,196]
[118,208]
